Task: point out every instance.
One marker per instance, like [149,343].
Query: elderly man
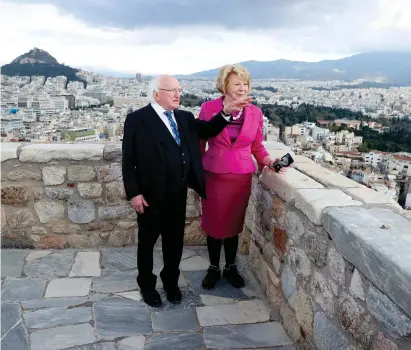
[161,159]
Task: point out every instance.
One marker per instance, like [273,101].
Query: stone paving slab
[21,289]
[57,316]
[175,320]
[117,317]
[68,287]
[249,311]
[88,299]
[62,337]
[246,336]
[12,263]
[57,264]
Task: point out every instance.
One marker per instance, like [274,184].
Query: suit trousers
[168,220]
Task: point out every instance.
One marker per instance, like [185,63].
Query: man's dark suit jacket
[144,169]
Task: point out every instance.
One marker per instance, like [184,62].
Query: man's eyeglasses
[180,91]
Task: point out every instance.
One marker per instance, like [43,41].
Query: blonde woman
[228,167]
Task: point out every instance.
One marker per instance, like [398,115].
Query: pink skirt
[223,211]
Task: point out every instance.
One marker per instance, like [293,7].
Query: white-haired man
[161,160]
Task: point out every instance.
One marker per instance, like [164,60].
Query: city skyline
[131,41]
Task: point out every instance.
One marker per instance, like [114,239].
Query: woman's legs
[214,250]
[213,273]
[230,269]
[230,250]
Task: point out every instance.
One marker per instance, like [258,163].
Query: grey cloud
[230,14]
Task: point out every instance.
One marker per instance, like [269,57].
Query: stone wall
[71,195]
[333,258]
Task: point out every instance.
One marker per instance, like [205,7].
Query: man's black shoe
[151,297]
[212,277]
[233,277]
[174,295]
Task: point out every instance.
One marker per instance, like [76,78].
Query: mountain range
[387,67]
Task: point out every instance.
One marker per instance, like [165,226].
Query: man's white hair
[153,86]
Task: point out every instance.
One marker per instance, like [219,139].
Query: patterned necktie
[173,126]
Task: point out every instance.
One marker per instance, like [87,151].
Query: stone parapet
[332,257]
[71,195]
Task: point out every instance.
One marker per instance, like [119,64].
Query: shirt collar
[160,110]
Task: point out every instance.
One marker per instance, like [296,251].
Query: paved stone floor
[88,300]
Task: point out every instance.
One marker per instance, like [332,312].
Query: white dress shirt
[160,111]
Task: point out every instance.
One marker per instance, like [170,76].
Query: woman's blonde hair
[226,71]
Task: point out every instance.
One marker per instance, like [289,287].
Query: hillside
[39,63]
[388,67]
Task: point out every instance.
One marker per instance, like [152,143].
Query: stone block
[336,265]
[90,190]
[326,335]
[354,319]
[108,173]
[14,194]
[280,238]
[43,153]
[115,192]
[356,286]
[19,218]
[8,150]
[286,185]
[316,247]
[294,225]
[312,202]
[390,316]
[113,152]
[279,211]
[59,193]
[50,242]
[376,241]
[322,293]
[120,238]
[38,193]
[300,263]
[81,211]
[91,240]
[102,226]
[22,175]
[65,228]
[48,211]
[382,343]
[304,312]
[81,173]
[53,175]
[117,213]
[370,197]
[289,322]
[289,285]
[325,176]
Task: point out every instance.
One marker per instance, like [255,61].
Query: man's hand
[237,104]
[138,203]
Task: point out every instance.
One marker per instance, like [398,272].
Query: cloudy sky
[185,36]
